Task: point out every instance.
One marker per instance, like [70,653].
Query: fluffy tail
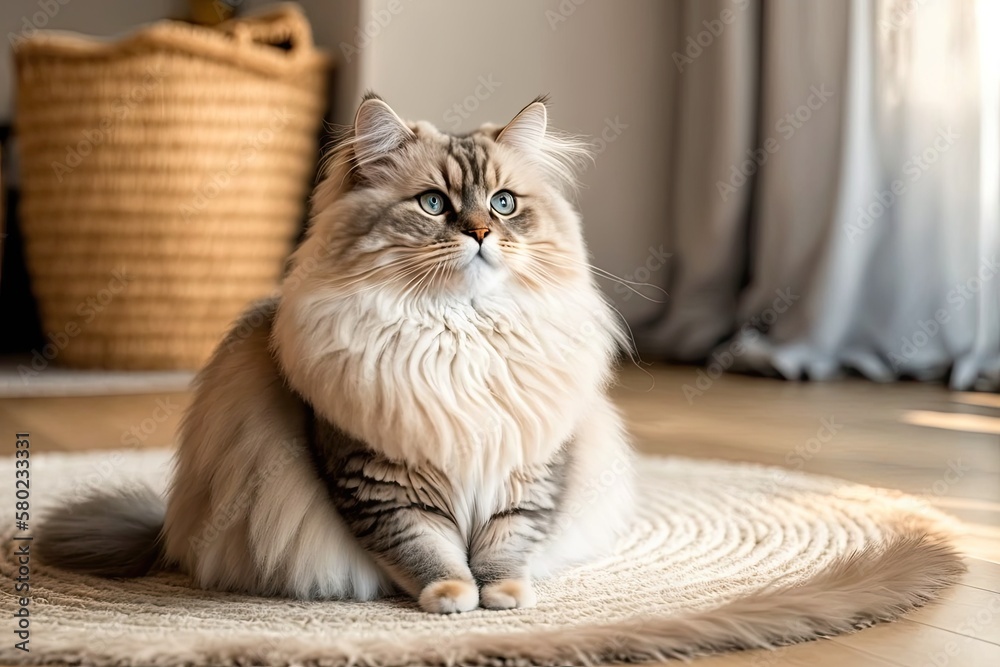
[114,534]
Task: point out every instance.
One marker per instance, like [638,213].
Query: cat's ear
[561,156]
[526,132]
[377,131]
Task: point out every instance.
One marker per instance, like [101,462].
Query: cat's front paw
[449,596]
[508,594]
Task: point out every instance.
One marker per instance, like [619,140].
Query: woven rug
[720,557]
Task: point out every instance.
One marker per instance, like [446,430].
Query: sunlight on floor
[952,421]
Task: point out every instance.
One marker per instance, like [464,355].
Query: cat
[421,409]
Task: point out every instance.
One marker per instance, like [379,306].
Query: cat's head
[406,209]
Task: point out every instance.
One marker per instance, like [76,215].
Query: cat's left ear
[526,132]
[377,131]
[560,156]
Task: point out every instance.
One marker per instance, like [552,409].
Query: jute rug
[721,557]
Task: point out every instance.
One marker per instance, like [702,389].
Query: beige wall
[92,17]
[605,64]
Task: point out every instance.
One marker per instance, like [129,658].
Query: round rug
[721,556]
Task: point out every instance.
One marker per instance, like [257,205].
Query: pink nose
[478,234]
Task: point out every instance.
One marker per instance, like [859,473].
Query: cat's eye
[503,202]
[433,202]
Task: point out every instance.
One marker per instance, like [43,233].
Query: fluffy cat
[421,409]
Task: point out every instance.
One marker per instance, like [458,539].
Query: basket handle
[283,24]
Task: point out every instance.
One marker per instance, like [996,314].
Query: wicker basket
[164,177]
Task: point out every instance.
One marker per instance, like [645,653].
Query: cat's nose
[479,234]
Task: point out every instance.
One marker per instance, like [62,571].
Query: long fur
[480,375]
[114,534]
[247,512]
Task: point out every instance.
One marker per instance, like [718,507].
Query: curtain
[835,198]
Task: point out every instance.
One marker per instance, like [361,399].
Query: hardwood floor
[919,438]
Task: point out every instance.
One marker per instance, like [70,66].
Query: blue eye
[503,202]
[432,202]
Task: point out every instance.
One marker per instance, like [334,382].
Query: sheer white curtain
[854,220]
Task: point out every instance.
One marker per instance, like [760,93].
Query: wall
[94,17]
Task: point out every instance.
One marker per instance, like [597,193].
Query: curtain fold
[835,204]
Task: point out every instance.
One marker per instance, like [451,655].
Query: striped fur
[411,519]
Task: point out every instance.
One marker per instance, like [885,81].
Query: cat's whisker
[543,278]
[364,275]
[399,264]
[539,277]
[397,272]
[437,269]
[408,267]
[451,272]
[521,279]
[421,248]
[627,284]
[383,283]
[602,272]
[427,282]
[369,269]
[538,251]
[414,283]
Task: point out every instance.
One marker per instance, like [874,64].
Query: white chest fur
[490,385]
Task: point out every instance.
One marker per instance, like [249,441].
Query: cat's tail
[108,534]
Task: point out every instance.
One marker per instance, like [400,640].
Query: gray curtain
[835,199]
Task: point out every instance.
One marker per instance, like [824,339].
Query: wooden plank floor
[922,439]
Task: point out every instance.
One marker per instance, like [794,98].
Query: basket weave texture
[163,180]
